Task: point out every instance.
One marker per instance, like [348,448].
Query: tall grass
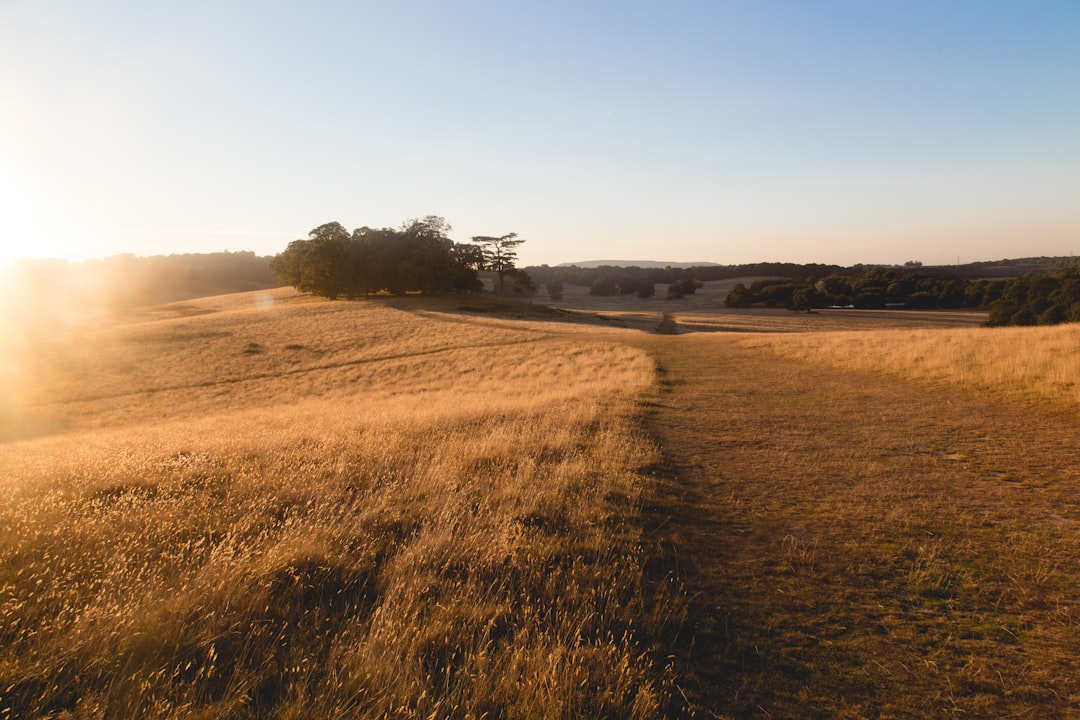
[1032,363]
[326,510]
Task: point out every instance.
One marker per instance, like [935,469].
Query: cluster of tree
[642,287]
[878,288]
[417,257]
[1037,300]
[626,284]
[1031,299]
[620,277]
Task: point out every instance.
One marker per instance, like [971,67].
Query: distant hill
[635,263]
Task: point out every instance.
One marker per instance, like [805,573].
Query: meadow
[271,505]
[1014,363]
[267,505]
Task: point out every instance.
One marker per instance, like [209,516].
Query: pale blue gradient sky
[803,131]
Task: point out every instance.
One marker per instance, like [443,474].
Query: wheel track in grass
[855,546]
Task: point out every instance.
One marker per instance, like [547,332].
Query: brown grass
[704,311]
[869,544]
[266,505]
[1037,363]
[314,509]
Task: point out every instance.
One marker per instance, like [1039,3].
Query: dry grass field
[1039,364]
[862,534]
[269,505]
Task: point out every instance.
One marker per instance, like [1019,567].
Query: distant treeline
[124,281]
[611,274]
[1047,293]
[1004,269]
[875,289]
[622,278]
[1026,300]
[1038,300]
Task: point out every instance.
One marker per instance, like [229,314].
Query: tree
[685,286]
[603,287]
[801,300]
[1042,299]
[628,284]
[868,300]
[739,297]
[499,255]
[520,283]
[318,264]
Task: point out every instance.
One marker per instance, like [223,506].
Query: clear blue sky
[726,131]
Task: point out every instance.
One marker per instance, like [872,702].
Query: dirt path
[854,546]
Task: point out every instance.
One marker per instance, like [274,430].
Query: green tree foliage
[1053,296]
[500,256]
[802,300]
[873,289]
[871,300]
[739,297]
[628,284]
[646,289]
[683,287]
[603,287]
[555,289]
[921,301]
[417,257]
[586,276]
[1038,300]
[520,283]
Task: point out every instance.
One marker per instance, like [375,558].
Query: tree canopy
[1038,300]
[499,256]
[417,257]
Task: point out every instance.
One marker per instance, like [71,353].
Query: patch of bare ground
[855,545]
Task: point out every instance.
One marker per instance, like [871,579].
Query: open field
[312,509]
[269,505]
[1040,364]
[858,545]
[704,311]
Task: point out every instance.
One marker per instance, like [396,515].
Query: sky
[730,131]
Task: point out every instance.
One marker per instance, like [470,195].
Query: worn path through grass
[858,546]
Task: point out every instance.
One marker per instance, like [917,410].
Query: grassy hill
[264,504]
[271,505]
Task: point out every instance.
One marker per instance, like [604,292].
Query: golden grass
[1036,363]
[778,320]
[270,505]
[313,509]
